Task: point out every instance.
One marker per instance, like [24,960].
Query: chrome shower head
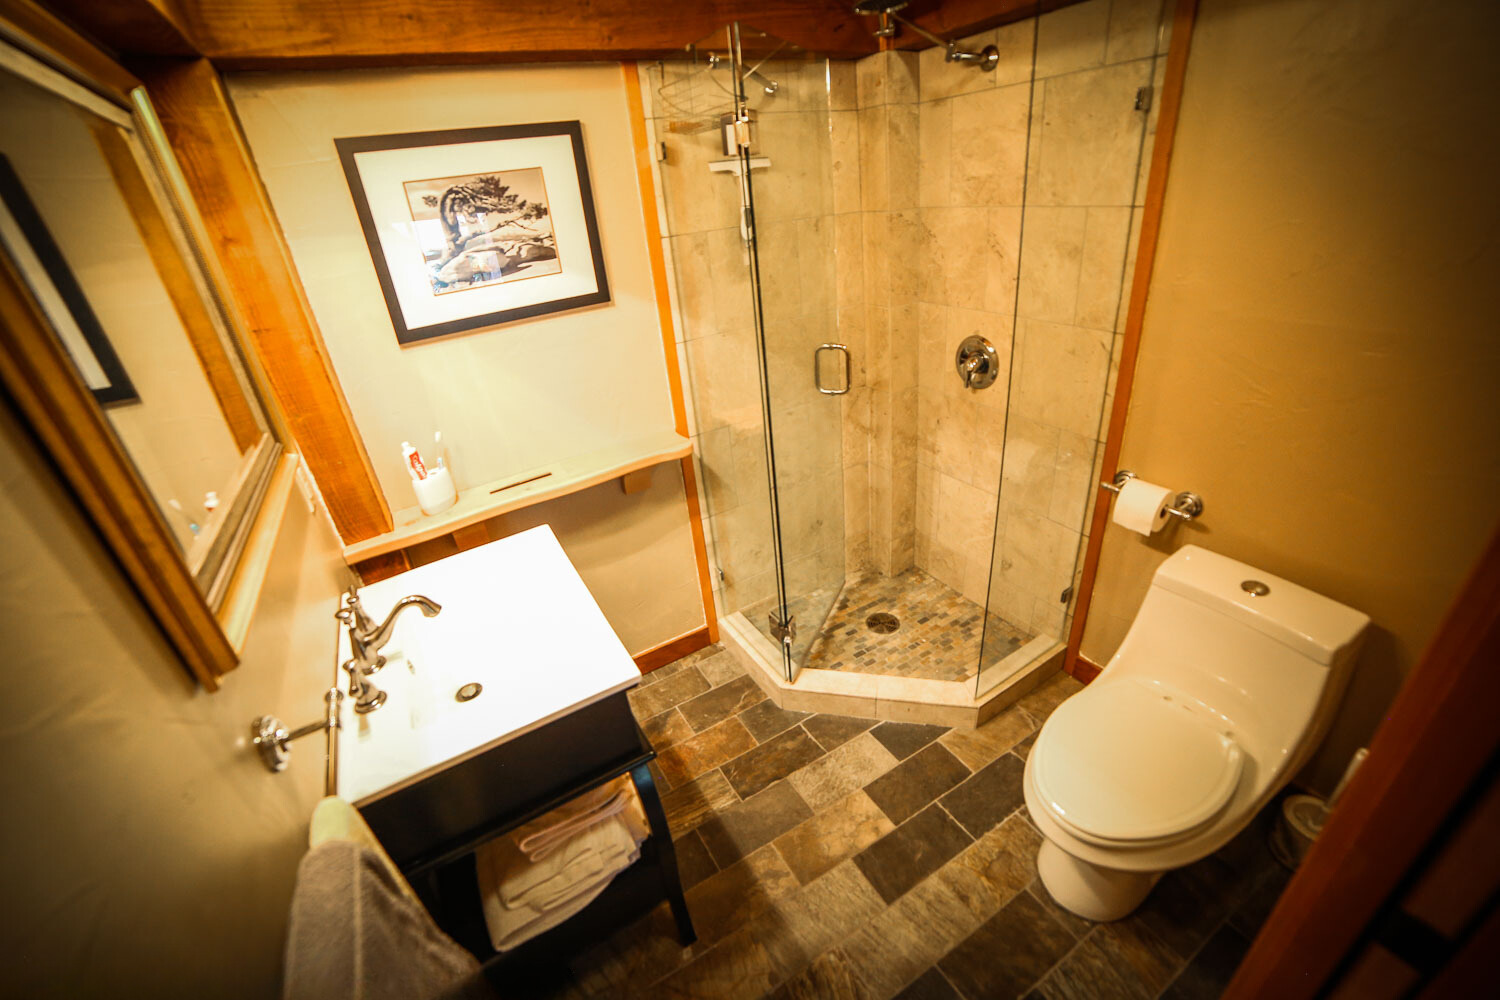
[986,59]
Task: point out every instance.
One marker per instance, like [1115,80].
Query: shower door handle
[817,379]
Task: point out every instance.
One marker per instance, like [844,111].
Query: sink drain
[468,692]
[883,622]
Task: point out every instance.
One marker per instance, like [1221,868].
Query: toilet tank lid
[1311,624]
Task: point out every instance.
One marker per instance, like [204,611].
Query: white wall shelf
[524,489]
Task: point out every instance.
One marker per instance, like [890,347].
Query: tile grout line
[1183,967]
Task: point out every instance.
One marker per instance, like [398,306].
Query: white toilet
[1222,689]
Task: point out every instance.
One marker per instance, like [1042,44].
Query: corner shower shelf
[524,489]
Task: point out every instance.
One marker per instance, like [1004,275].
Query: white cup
[436,493]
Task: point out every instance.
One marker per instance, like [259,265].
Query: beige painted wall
[508,398]
[511,398]
[1319,356]
[146,852]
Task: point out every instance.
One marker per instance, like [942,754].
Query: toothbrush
[437,449]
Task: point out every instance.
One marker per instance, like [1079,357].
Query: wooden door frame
[1438,735]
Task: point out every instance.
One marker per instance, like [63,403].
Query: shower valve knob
[978,362]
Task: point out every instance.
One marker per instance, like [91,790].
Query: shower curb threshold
[895,699]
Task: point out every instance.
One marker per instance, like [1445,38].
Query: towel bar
[272,740]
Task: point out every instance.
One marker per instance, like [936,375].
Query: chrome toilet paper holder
[1186,506]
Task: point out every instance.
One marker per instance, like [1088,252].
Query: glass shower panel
[693,99]
[788,193]
[1089,142]
[747,185]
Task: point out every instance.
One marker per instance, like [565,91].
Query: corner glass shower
[858,248]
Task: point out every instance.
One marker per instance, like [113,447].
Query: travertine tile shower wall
[1066,211]
[890,219]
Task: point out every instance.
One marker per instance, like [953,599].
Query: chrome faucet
[365,642]
[366,639]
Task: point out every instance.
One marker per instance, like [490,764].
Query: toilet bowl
[1224,685]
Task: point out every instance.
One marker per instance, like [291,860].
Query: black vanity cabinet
[432,828]
[505,703]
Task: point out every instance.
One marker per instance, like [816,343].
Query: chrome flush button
[1254,588]
[468,692]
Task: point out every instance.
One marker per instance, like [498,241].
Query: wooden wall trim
[646,181]
[672,650]
[381,567]
[265,290]
[1440,733]
[1156,186]
[49,394]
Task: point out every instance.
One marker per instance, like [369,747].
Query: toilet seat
[1126,765]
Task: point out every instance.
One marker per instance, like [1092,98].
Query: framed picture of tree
[471,228]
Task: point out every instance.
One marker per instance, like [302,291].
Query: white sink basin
[518,621]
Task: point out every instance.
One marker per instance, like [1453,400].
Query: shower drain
[883,622]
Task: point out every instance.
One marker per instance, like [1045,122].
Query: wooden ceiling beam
[131,26]
[954,19]
[281,34]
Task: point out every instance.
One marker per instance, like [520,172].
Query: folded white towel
[537,846]
[578,861]
[510,928]
[584,844]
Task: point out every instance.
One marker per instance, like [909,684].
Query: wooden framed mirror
[115,345]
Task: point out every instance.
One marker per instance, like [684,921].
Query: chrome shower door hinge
[1143,98]
[786,633]
[1067,595]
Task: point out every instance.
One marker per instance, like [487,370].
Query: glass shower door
[743,123]
[787,198]
[1090,139]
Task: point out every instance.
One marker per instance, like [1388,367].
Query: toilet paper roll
[1142,507]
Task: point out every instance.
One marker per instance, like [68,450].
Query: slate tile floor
[845,859]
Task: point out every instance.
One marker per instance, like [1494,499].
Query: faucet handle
[366,660]
[367,697]
[361,620]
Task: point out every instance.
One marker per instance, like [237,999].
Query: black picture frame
[350,147]
[22,209]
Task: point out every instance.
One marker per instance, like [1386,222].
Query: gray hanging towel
[355,935]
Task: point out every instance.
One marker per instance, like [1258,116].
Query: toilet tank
[1272,664]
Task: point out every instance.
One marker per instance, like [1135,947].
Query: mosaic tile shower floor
[937,639]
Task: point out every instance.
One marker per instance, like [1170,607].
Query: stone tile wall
[1036,261]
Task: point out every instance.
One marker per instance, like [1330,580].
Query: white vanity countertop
[516,618]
